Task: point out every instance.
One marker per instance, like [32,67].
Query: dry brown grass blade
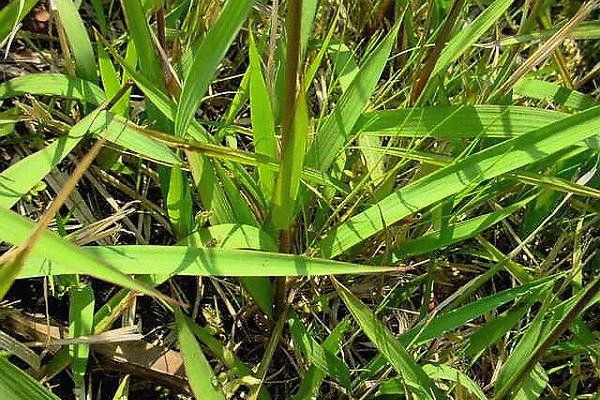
[19,255]
[548,47]
[145,360]
[436,50]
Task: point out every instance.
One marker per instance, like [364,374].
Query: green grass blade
[140,34]
[542,90]
[179,260]
[318,355]
[81,318]
[53,85]
[546,330]
[263,123]
[491,332]
[111,81]
[455,318]
[454,233]
[414,376]
[290,171]
[18,179]
[83,52]
[467,173]
[179,203]
[337,127]
[206,59]
[468,36]
[456,122]
[74,260]
[227,208]
[200,374]
[16,384]
[12,14]
[315,376]
[234,236]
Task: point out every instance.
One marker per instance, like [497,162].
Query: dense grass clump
[299,199]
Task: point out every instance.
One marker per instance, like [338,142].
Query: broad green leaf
[180,260]
[16,384]
[557,94]
[79,41]
[200,374]
[337,127]
[263,123]
[454,122]
[416,379]
[52,84]
[73,259]
[462,175]
[466,37]
[491,332]
[206,59]
[81,317]
[12,14]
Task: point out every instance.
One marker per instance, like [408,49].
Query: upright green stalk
[294,132]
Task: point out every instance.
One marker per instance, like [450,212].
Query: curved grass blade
[416,379]
[468,36]
[462,175]
[53,84]
[263,123]
[83,52]
[16,384]
[11,15]
[542,90]
[206,59]
[454,233]
[337,127]
[200,374]
[18,179]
